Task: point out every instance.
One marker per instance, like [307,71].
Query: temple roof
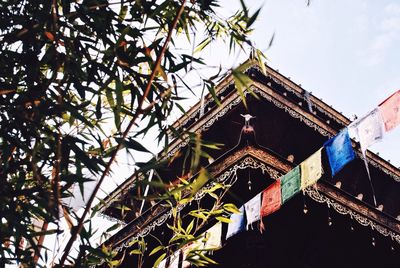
[289,125]
[283,100]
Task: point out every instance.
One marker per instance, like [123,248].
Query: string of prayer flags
[311,169]
[271,199]
[213,237]
[252,208]
[237,224]
[369,129]
[290,184]
[390,111]
[339,151]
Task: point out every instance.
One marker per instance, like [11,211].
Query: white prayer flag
[213,237]
[162,264]
[369,129]
[252,208]
[175,260]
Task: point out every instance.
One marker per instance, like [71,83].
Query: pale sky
[345,52]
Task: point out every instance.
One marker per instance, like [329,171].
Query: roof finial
[247,118]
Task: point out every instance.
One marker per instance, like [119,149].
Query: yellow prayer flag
[311,169]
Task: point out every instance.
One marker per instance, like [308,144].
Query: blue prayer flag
[339,151]
[237,224]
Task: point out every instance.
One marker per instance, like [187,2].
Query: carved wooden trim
[356,209]
[299,91]
[292,109]
[159,214]
[250,157]
[279,101]
[272,161]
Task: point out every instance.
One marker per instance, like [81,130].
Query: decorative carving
[195,113]
[318,126]
[379,166]
[212,118]
[112,219]
[228,178]
[341,209]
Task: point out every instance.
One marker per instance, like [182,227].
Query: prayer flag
[237,224]
[290,184]
[369,129]
[213,237]
[186,264]
[188,254]
[339,151]
[252,208]
[163,263]
[311,169]
[390,110]
[351,129]
[175,260]
[271,200]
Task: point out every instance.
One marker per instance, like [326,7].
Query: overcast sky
[345,52]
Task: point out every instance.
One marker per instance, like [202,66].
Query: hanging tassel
[249,181]
[329,221]
[262,226]
[369,177]
[307,97]
[305,209]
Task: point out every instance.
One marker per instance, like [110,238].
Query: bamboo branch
[139,111]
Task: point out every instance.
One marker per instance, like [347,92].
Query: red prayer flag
[271,200]
[390,111]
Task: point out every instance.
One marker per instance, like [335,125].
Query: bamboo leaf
[202,45]
[110,97]
[98,108]
[156,249]
[211,89]
[201,179]
[159,259]
[122,12]
[231,208]
[223,219]
[253,18]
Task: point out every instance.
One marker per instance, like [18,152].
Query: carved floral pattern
[364,221]
[229,177]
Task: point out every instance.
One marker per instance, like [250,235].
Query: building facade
[334,223]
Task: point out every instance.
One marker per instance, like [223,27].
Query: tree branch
[139,111]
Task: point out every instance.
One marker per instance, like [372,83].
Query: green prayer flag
[290,184]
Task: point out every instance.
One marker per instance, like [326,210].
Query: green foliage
[73,75]
[187,228]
